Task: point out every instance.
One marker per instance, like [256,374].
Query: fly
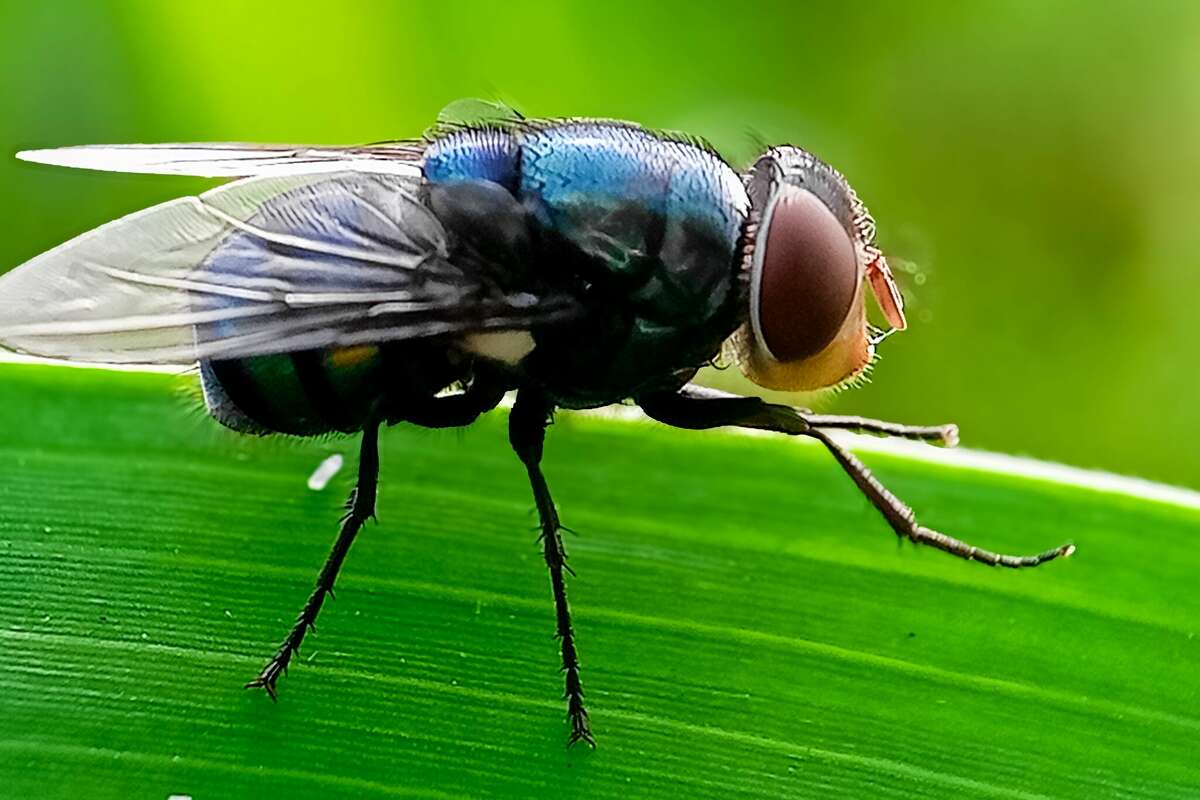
[577,262]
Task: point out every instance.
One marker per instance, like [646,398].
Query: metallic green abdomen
[304,394]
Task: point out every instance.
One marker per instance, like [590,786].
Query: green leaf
[748,625]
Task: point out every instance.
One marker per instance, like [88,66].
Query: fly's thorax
[591,365]
[620,187]
[654,225]
[643,229]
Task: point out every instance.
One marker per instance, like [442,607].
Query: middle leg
[527,432]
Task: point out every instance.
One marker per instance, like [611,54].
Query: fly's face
[813,256]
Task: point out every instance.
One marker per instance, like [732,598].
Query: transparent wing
[234,160]
[240,160]
[262,265]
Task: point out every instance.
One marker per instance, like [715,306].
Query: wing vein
[309,245]
[185,284]
[134,323]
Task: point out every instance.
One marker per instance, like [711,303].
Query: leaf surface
[748,625]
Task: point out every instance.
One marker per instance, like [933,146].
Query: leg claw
[266,680]
[581,731]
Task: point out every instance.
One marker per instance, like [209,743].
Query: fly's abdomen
[304,393]
[304,389]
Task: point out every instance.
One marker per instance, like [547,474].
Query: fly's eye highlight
[804,276]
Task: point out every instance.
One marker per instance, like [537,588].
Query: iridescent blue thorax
[646,228]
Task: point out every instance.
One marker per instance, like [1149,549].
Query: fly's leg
[937,434]
[359,508]
[904,521]
[452,411]
[433,412]
[527,432]
[696,407]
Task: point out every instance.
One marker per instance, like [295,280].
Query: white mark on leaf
[325,472]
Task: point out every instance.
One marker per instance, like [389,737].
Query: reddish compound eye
[806,278]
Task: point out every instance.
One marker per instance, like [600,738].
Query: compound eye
[805,278]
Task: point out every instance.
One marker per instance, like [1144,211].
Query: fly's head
[812,257]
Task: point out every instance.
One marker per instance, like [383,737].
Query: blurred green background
[1036,164]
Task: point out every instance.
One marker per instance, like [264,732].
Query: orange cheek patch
[843,358]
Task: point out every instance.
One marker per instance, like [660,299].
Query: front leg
[527,432]
[696,407]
